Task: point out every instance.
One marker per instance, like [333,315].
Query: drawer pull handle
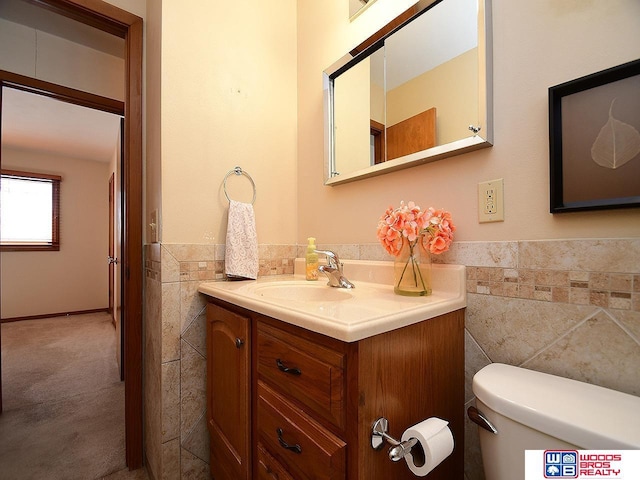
[292,371]
[239,342]
[271,473]
[294,448]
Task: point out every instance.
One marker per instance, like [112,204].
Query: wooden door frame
[128,26]
[111,247]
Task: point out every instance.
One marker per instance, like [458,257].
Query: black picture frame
[586,116]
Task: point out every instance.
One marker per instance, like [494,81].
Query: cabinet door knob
[294,448]
[290,370]
[239,342]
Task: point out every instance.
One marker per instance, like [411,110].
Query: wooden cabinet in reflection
[412,135]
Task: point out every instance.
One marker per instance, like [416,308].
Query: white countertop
[349,315]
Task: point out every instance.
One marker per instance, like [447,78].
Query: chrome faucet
[333,270]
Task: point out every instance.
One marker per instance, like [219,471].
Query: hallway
[63,401]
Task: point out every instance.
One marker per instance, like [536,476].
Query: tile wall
[566,307]
[176,437]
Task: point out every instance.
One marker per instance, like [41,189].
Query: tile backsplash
[566,307]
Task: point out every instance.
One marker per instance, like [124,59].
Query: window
[29,211]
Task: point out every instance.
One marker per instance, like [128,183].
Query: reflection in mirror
[359,104]
[432,63]
[357,6]
[412,96]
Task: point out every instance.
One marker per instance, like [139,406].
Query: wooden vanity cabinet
[229,393]
[296,405]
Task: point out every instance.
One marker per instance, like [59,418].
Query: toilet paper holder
[398,450]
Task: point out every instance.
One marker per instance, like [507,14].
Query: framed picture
[594,141]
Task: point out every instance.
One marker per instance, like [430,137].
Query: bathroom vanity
[296,399]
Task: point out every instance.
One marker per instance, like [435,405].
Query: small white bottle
[311,271]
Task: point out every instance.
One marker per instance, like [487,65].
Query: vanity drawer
[308,372]
[309,451]
[269,468]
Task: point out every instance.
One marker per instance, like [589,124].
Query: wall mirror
[417,91]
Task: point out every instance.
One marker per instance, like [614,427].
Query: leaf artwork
[616,144]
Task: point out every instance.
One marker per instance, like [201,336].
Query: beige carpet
[63,400]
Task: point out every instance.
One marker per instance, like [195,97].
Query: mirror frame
[480,139]
[357,13]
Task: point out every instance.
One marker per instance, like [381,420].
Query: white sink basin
[368,309]
[302,292]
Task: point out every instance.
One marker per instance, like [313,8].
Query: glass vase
[412,269]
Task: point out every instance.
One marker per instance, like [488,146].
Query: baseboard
[49,315]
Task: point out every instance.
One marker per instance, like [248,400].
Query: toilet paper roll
[436,440]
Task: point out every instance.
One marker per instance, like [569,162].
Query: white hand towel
[241,253]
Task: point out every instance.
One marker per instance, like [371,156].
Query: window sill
[29,248]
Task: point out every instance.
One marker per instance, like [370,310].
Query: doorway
[115,21]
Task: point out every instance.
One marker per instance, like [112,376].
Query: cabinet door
[228,390]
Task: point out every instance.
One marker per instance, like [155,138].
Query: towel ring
[239,171]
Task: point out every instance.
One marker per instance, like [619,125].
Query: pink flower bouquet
[401,230]
[409,221]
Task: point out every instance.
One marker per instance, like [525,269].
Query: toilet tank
[537,411]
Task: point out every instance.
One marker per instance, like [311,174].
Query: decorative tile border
[152,263]
[189,263]
[606,290]
[504,269]
[202,271]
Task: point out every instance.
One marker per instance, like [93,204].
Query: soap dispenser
[311,260]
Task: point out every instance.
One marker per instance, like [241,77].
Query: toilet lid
[587,415]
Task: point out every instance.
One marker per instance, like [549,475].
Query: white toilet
[535,411]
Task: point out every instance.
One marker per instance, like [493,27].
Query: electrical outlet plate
[491,201]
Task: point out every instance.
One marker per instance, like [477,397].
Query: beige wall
[153,305]
[152,117]
[221,92]
[76,277]
[228,97]
[535,45]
